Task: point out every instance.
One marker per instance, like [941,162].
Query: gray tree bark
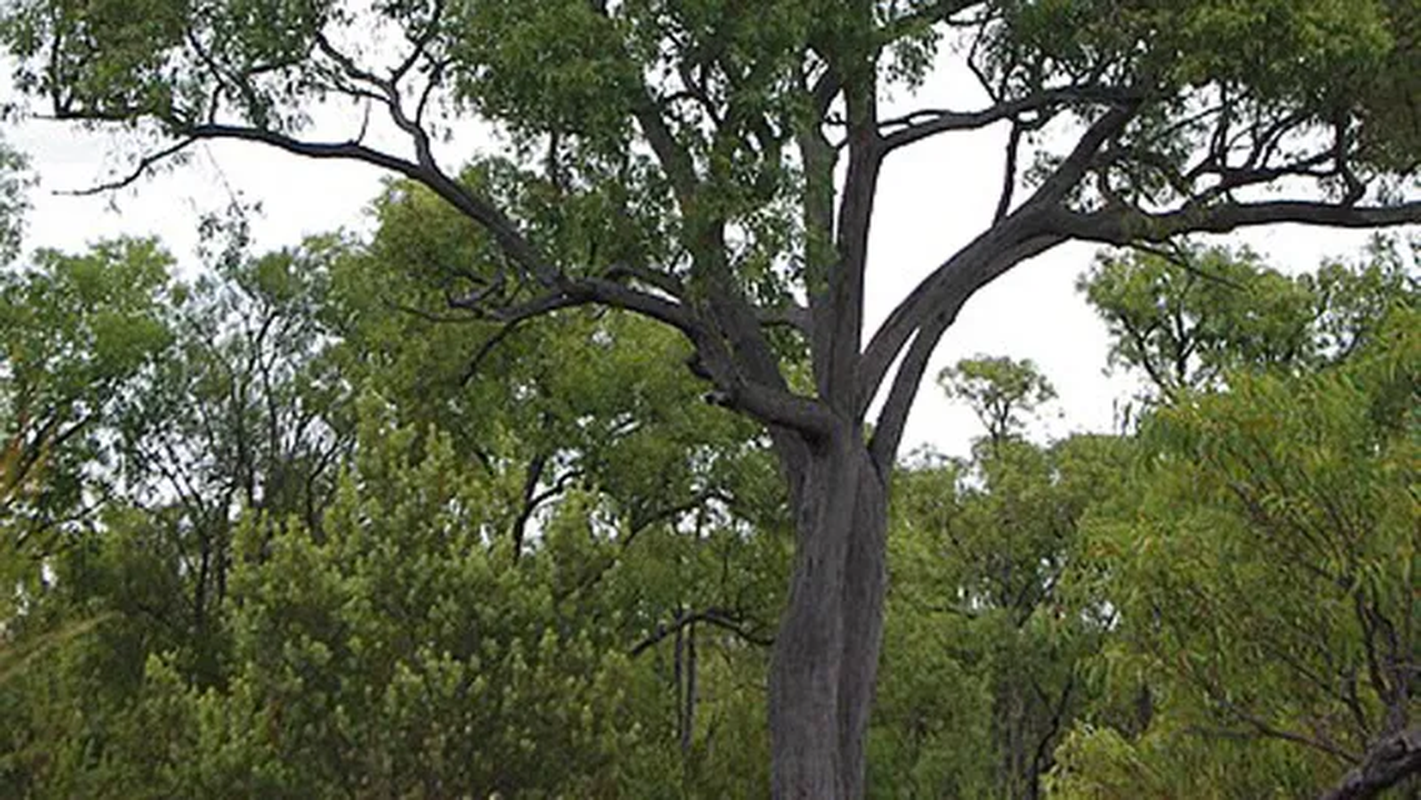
[826,654]
[1388,763]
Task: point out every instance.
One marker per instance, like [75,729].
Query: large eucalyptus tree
[713,164]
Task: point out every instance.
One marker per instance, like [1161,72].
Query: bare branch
[461,197]
[932,13]
[696,501]
[894,417]
[487,347]
[792,315]
[1082,156]
[1009,173]
[662,281]
[420,42]
[1265,728]
[436,75]
[926,312]
[1122,226]
[145,164]
[534,499]
[347,64]
[721,618]
[1018,236]
[919,125]
[673,157]
[826,87]
[1172,252]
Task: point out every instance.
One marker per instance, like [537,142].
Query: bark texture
[826,655]
[1388,763]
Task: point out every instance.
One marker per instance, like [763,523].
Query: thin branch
[911,128]
[146,163]
[1122,226]
[1176,255]
[461,197]
[534,499]
[436,75]
[487,347]
[1009,173]
[733,622]
[430,316]
[1083,155]
[420,43]
[656,279]
[932,13]
[693,503]
[1264,728]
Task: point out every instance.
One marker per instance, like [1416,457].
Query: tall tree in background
[986,640]
[713,164]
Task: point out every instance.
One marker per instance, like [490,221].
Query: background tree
[987,644]
[998,390]
[240,422]
[1182,319]
[15,179]
[679,160]
[82,337]
[1262,562]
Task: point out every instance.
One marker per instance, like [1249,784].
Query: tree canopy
[711,166]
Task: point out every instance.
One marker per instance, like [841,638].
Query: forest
[273,539]
[580,473]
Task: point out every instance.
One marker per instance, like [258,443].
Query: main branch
[920,125]
[1122,226]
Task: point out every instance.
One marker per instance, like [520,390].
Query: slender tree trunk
[826,654]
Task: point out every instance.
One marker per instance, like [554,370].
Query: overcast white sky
[933,199]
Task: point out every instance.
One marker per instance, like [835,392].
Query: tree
[986,643]
[1262,560]
[998,390]
[656,546]
[83,335]
[1182,319]
[1185,318]
[14,180]
[681,160]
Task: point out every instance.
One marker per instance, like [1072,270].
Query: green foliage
[1183,324]
[14,180]
[987,636]
[1186,320]
[1263,574]
[1322,59]
[81,334]
[404,651]
[291,634]
[998,390]
[532,561]
[405,655]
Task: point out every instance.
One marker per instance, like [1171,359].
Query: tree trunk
[826,654]
[1388,762]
